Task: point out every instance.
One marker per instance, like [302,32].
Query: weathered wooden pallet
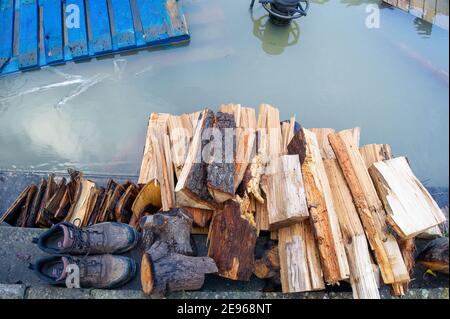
[38,33]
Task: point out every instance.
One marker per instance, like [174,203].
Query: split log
[148,201]
[26,208]
[93,218]
[201,217]
[59,205]
[180,133]
[369,208]
[269,144]
[163,271]
[323,216]
[44,219]
[148,172]
[164,173]
[411,209]
[371,154]
[287,133]
[232,241]
[173,228]
[220,171]
[300,268]
[13,213]
[123,210]
[322,140]
[285,192]
[362,277]
[112,199]
[191,187]
[36,205]
[245,119]
[82,207]
[103,211]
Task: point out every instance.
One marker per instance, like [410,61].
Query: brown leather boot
[101,271]
[104,238]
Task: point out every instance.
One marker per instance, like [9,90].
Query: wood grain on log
[285,192]
[232,241]
[36,205]
[148,201]
[12,214]
[163,271]
[300,268]
[323,215]
[369,208]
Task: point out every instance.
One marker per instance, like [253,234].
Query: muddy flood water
[329,69]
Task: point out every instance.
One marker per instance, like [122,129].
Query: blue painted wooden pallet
[38,33]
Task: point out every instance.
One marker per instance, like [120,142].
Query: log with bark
[84,202]
[12,214]
[43,219]
[148,201]
[221,168]
[172,227]
[323,216]
[245,120]
[232,241]
[369,208]
[36,205]
[190,189]
[26,208]
[164,271]
[123,210]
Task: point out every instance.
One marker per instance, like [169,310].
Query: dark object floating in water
[282,12]
[435,255]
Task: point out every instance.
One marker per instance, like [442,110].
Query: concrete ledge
[47,292]
[12,291]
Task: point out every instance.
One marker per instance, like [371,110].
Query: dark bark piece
[123,210]
[435,255]
[163,271]
[232,242]
[173,228]
[96,211]
[12,214]
[43,218]
[220,178]
[298,146]
[59,205]
[269,264]
[21,222]
[191,189]
[108,212]
[36,205]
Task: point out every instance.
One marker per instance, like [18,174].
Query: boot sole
[127,278]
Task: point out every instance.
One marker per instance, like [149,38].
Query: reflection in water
[423,27]
[275,38]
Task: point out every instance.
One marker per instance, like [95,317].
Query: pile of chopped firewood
[338,211]
[78,201]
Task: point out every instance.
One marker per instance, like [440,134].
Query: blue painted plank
[75,26]
[154,19]
[100,37]
[6,31]
[124,36]
[53,31]
[29,34]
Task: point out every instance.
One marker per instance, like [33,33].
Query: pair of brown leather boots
[87,257]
